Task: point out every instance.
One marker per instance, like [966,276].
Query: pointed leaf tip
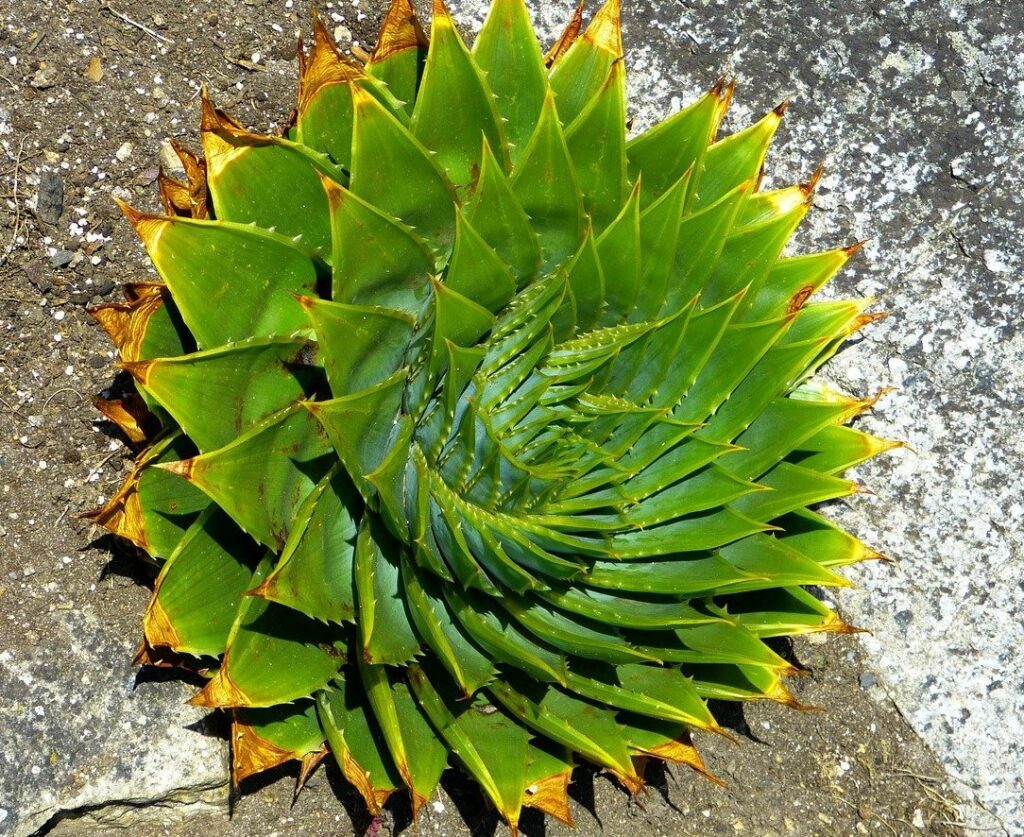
[321,37]
[605,30]
[400,30]
[568,36]
[719,86]
[809,185]
[138,369]
[135,216]
[182,467]
[219,693]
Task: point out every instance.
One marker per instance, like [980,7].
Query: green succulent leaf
[315,573]
[215,556]
[243,273]
[509,56]
[454,133]
[278,461]
[274,655]
[356,740]
[419,755]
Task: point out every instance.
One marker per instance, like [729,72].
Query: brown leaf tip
[251,754]
[605,30]
[780,109]
[157,626]
[184,468]
[855,247]
[220,692]
[567,38]
[812,182]
[400,30]
[138,369]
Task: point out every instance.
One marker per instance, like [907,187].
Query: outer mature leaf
[268,181]
[423,197]
[265,738]
[153,508]
[736,159]
[508,53]
[835,449]
[652,691]
[216,557]
[249,381]
[580,725]
[784,612]
[357,742]
[401,49]
[230,281]
[147,325]
[274,655]
[489,744]
[579,74]
[418,753]
[454,133]
[325,113]
[314,574]
[661,155]
[822,541]
[738,682]
[278,462]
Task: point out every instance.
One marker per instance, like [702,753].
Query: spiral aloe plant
[474,431]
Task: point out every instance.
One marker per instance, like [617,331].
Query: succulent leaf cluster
[475,431]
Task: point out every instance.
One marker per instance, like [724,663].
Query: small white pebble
[996,261]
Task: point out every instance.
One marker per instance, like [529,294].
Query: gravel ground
[89,91]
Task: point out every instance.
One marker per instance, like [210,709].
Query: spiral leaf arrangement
[474,431]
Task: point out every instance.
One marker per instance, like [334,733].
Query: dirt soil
[88,92]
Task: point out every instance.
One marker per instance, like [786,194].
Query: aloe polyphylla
[474,431]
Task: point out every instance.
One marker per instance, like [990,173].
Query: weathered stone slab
[83,745]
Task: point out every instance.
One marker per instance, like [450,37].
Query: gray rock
[103,286]
[83,743]
[44,78]
[61,258]
[50,198]
[37,276]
